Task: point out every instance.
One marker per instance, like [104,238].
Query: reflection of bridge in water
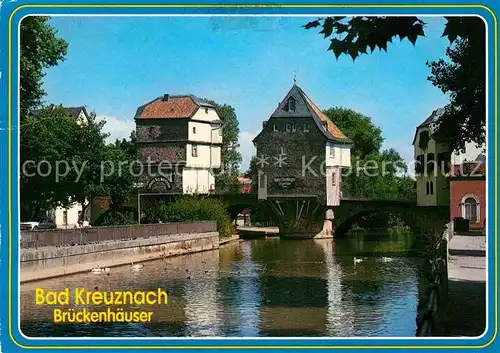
[306,216]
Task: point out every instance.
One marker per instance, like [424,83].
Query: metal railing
[81,236]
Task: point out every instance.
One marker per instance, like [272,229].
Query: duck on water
[99,269]
[136,267]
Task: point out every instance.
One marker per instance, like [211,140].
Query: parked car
[29,225]
[46,223]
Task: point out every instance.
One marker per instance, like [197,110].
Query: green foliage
[374,175]
[50,137]
[188,209]
[253,173]
[119,217]
[40,49]
[461,76]
[230,156]
[119,185]
[366,136]
[355,35]
[54,137]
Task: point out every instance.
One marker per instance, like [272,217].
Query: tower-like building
[301,152]
[179,139]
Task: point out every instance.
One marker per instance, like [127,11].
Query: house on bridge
[301,152]
[179,138]
[454,178]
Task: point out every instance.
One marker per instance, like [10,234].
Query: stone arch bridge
[305,215]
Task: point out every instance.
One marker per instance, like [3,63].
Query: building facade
[179,139]
[301,152]
[434,162]
[468,199]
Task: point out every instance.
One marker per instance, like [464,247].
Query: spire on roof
[294,78]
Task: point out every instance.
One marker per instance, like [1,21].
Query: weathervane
[294,77]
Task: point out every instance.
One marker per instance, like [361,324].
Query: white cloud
[247,149]
[117,128]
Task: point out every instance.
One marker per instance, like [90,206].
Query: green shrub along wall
[193,208]
[120,217]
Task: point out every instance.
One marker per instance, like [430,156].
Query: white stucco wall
[208,156]
[72,216]
[197,181]
[199,132]
[341,156]
[333,189]
[206,114]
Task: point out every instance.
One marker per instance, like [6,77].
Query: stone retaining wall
[44,262]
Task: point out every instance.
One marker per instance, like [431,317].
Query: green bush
[189,209]
[116,218]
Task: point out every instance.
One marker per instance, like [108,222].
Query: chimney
[166,97]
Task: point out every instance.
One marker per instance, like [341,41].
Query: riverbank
[190,244]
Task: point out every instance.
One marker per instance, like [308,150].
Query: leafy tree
[40,49]
[253,173]
[47,140]
[226,179]
[462,78]
[90,154]
[366,136]
[374,174]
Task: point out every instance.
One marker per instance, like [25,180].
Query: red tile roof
[178,106]
[183,107]
[332,128]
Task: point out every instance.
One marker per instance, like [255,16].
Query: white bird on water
[386,259]
[99,269]
[357,261]
[136,267]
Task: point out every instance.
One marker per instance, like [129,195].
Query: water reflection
[260,288]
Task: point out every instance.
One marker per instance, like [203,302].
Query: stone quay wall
[48,254]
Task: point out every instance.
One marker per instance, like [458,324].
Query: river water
[271,287]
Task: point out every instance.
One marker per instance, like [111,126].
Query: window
[306,127]
[419,164]
[65,217]
[288,127]
[431,187]
[206,110]
[470,208]
[291,104]
[275,127]
[333,179]
[423,139]
[294,127]
[427,188]
[220,131]
[194,151]
[332,151]
[194,129]
[430,162]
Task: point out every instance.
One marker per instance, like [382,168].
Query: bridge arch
[420,219]
[346,224]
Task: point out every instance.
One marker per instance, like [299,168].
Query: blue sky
[116,64]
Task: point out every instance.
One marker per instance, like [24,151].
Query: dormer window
[291,104]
